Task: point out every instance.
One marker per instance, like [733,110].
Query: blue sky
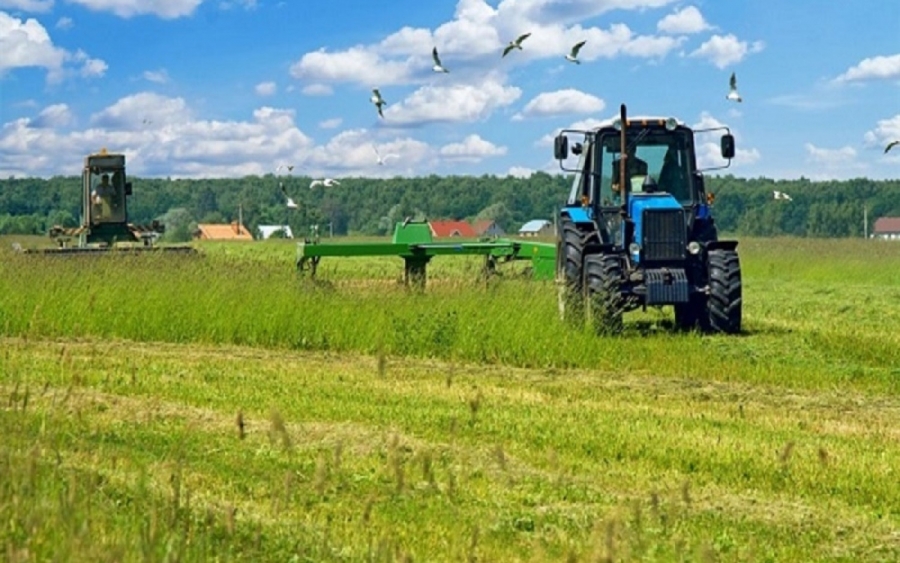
[226,88]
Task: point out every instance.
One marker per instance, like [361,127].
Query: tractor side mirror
[728,146]
[127,188]
[561,147]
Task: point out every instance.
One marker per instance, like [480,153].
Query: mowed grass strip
[120,450]
[812,318]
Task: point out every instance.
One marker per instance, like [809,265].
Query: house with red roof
[451,229]
[887,228]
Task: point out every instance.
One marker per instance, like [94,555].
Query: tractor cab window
[661,155]
[107,196]
[583,181]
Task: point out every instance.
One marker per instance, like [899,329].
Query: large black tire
[569,264]
[603,293]
[723,305]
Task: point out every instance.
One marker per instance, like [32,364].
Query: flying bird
[781,195]
[289,167]
[291,204]
[890,146]
[327,182]
[517,44]
[573,54]
[438,67]
[378,101]
[733,94]
[382,159]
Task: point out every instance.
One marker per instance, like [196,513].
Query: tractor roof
[642,119]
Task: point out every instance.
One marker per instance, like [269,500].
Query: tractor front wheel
[569,264]
[723,304]
[603,293]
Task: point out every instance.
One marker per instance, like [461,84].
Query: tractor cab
[637,227]
[105,200]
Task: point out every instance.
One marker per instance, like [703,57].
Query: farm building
[488,228]
[232,231]
[887,228]
[449,229]
[536,228]
[265,231]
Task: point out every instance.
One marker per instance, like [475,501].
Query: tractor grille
[665,235]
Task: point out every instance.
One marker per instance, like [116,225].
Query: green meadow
[223,407]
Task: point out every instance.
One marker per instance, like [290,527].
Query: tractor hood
[638,203]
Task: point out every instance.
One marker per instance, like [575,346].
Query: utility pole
[865,221]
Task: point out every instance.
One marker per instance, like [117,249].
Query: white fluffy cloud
[886,130]
[830,157]
[160,137]
[57,115]
[352,152]
[317,90]
[520,172]
[708,147]
[561,102]
[874,68]
[725,50]
[471,149]
[266,89]
[166,9]
[65,23]
[456,103]
[471,42]
[27,43]
[160,76]
[686,20]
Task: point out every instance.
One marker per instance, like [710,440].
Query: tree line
[743,206]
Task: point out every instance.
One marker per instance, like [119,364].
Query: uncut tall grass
[813,311]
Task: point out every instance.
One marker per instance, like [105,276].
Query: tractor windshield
[107,196]
[658,153]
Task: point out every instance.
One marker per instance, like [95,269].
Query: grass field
[223,408]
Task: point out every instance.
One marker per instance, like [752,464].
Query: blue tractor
[637,231]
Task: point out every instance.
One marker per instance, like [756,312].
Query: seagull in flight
[382,159]
[438,67]
[573,54]
[378,101]
[781,195]
[890,146]
[733,94]
[290,167]
[327,182]
[290,202]
[517,44]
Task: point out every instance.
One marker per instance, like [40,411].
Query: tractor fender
[578,215]
[721,245]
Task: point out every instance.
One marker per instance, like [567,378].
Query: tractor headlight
[694,247]
[617,124]
[634,248]
[671,124]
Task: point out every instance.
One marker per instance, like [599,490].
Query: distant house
[232,231]
[886,228]
[266,231]
[488,228]
[448,229]
[536,228]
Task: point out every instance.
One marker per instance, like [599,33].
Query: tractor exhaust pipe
[623,146]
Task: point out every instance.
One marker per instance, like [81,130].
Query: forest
[369,206]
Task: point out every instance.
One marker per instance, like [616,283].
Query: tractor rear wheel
[569,265]
[723,304]
[603,292]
